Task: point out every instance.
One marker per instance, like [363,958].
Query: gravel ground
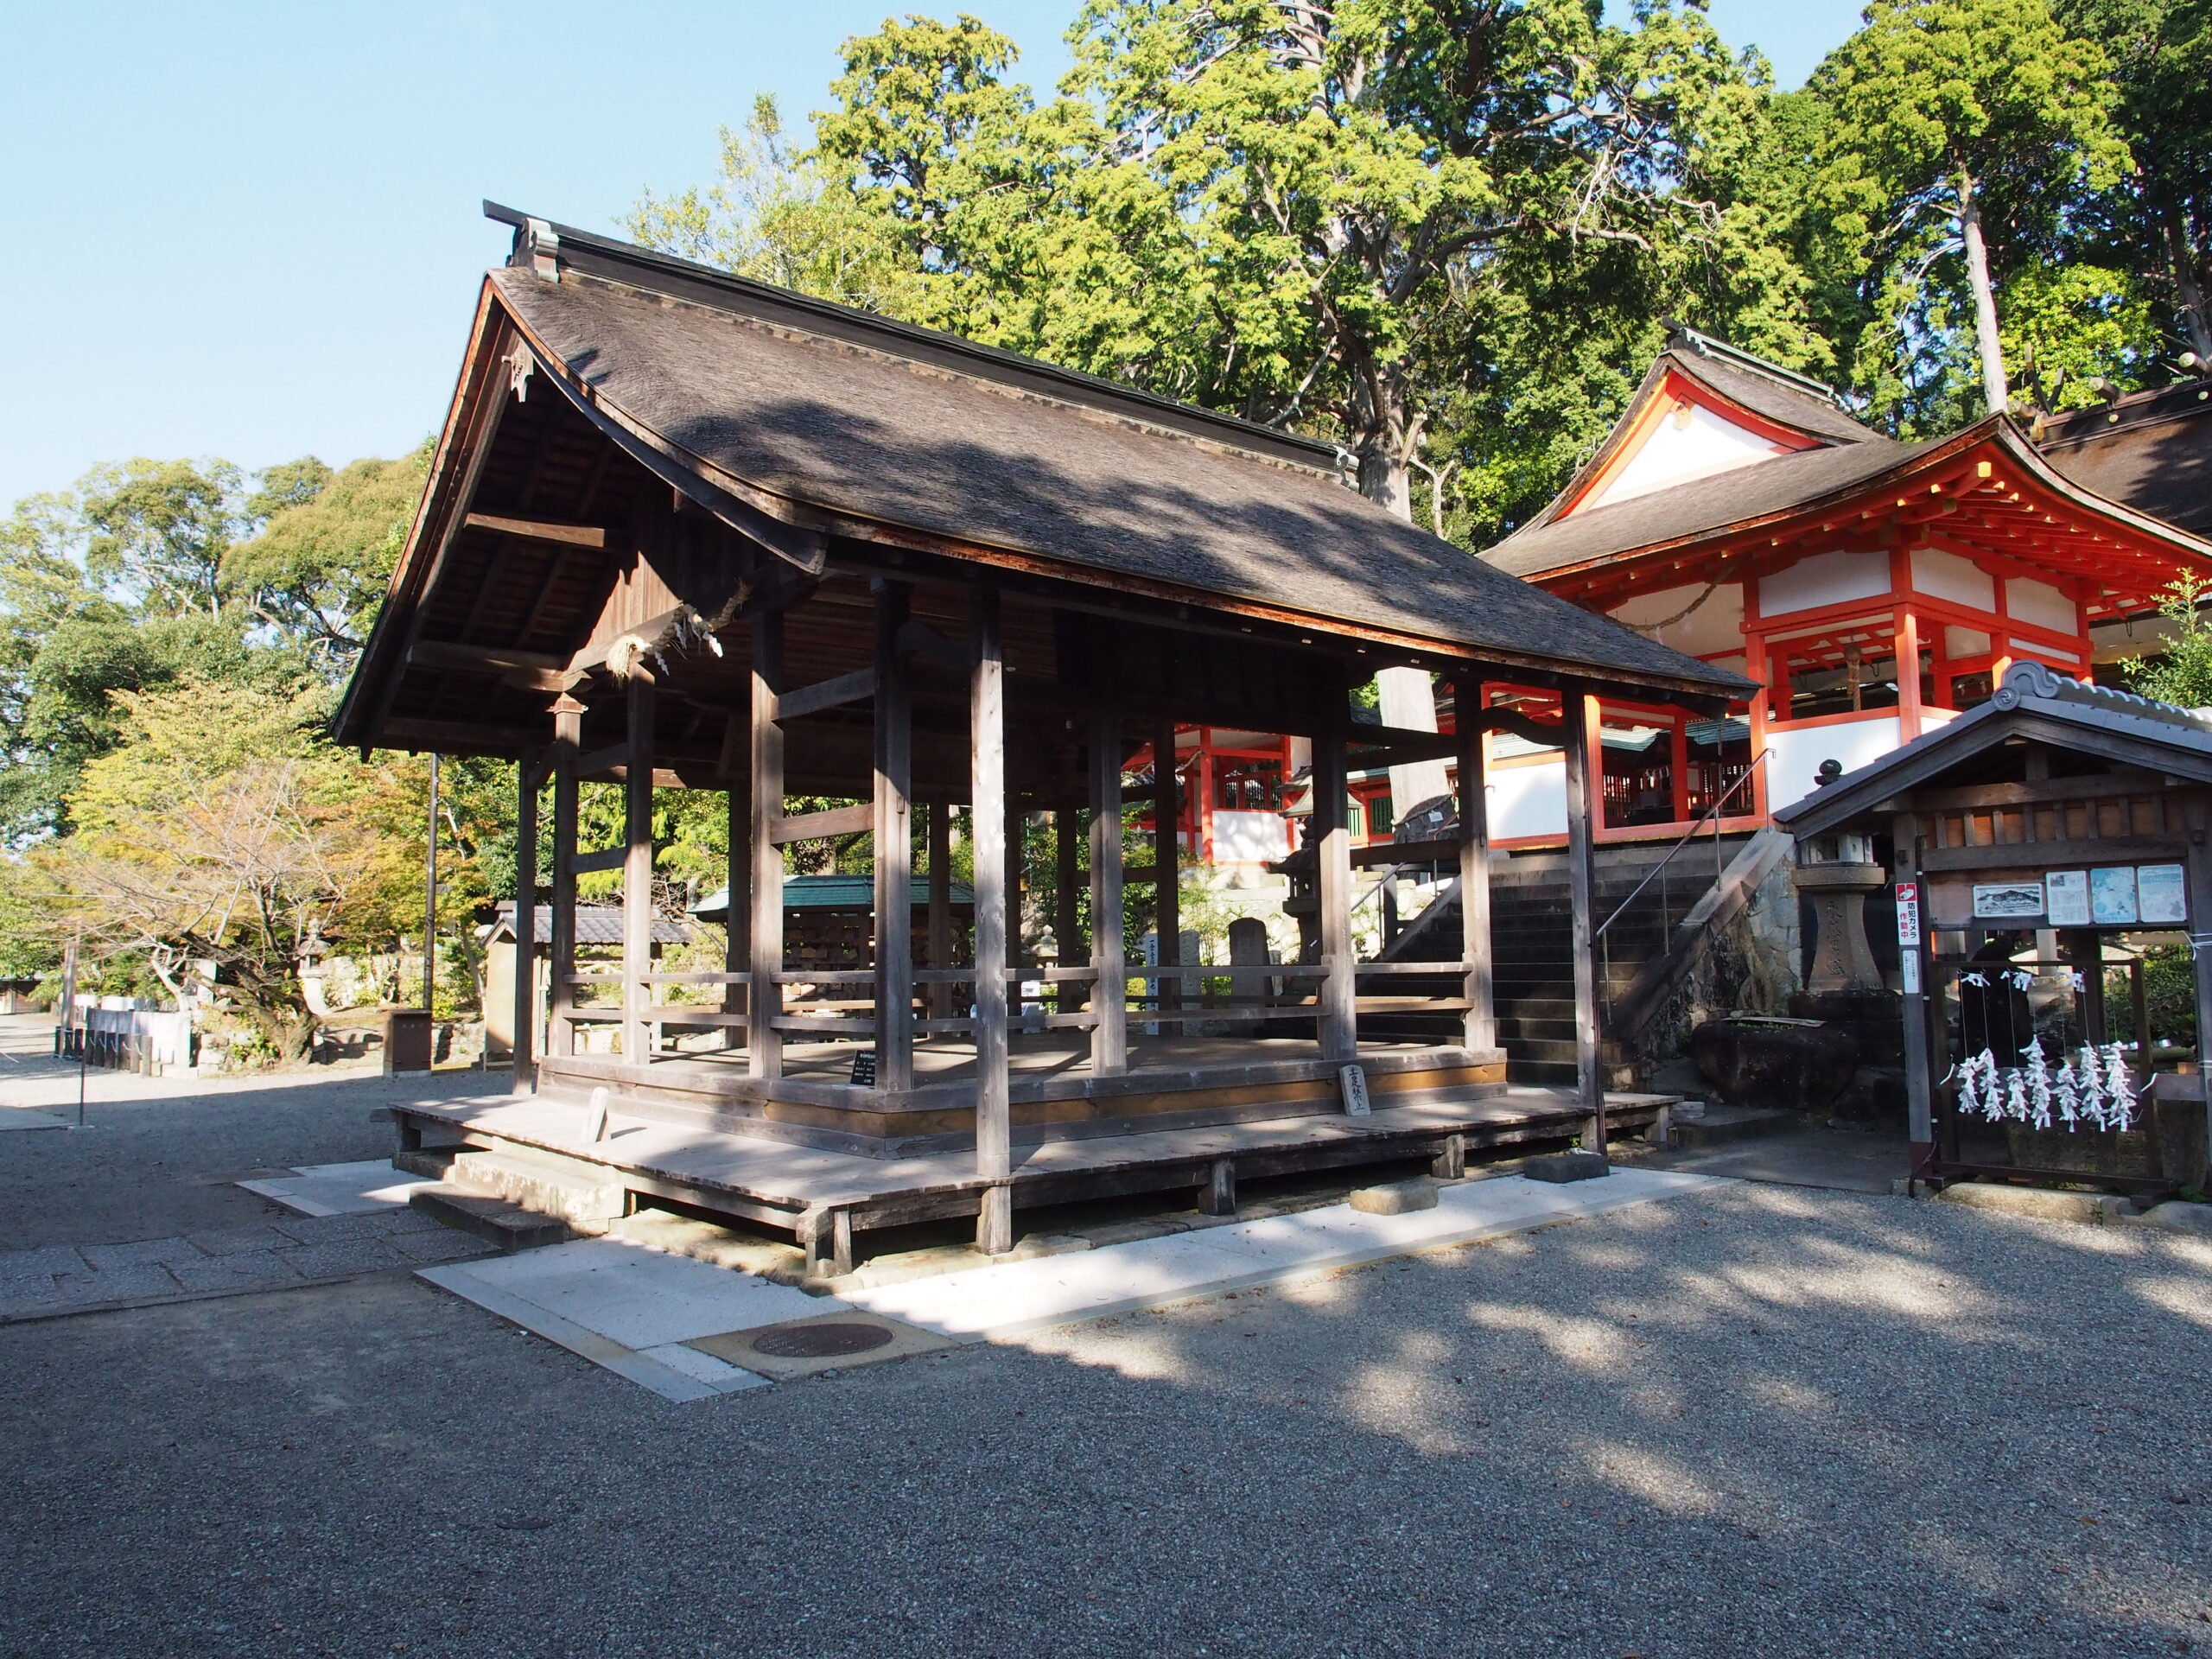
[1761,1421]
[161,1154]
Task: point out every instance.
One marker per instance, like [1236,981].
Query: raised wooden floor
[823,1195]
[1172,1083]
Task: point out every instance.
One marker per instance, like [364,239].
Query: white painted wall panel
[1673,454]
[1824,579]
[1250,837]
[1795,754]
[1528,800]
[1946,575]
[1717,624]
[2028,600]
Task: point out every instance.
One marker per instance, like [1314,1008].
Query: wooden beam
[1583,748]
[461,657]
[561,956]
[638,876]
[816,826]
[764,1042]
[607,858]
[2053,855]
[919,639]
[525,987]
[856,686]
[1337,1020]
[601,762]
[1479,1028]
[891,820]
[539,530]
[987,726]
[1168,865]
[1110,993]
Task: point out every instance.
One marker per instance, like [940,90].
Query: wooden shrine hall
[684,531]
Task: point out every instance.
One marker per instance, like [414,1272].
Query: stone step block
[584,1194]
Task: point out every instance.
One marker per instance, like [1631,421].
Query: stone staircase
[1531,938]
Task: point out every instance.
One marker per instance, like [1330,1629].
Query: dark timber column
[987,720]
[637,874]
[1919,1077]
[1109,992]
[1338,1025]
[526,781]
[1481,1023]
[1168,870]
[941,995]
[737,922]
[560,966]
[1067,923]
[2197,874]
[895,850]
[764,1044]
[1579,714]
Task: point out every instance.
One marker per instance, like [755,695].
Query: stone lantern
[1837,872]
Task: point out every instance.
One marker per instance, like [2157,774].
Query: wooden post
[1579,714]
[1912,966]
[1338,1026]
[2197,875]
[737,921]
[763,1043]
[1109,991]
[941,997]
[895,850]
[430,907]
[1479,1028]
[1067,923]
[1167,872]
[987,722]
[1907,626]
[525,1037]
[637,874]
[560,967]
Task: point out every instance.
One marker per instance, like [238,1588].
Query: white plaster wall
[1795,754]
[2051,653]
[1824,579]
[1677,450]
[1528,800]
[2039,602]
[1946,575]
[1250,837]
[1717,624]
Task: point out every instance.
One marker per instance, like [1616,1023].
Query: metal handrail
[1714,812]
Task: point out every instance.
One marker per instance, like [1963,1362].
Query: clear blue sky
[252,230]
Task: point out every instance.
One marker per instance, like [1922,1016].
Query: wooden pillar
[2197,875]
[637,873]
[987,722]
[1906,627]
[1479,1026]
[560,967]
[737,922]
[1579,712]
[1109,998]
[1067,920]
[527,778]
[1679,736]
[1339,1021]
[1168,870]
[894,853]
[940,856]
[763,1043]
[1912,967]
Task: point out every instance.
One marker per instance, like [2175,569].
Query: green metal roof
[826,892]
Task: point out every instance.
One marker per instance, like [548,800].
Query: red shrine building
[1876,588]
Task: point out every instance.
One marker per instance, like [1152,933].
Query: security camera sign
[1908,912]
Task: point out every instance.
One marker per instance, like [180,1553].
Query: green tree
[158,531]
[1956,135]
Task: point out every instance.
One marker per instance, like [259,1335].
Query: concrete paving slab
[23,1118]
[362,1188]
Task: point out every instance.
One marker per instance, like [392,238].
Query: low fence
[114,1034]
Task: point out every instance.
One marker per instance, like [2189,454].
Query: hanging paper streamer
[2094,1090]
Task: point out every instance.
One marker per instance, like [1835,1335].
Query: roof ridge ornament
[538,249]
[1737,358]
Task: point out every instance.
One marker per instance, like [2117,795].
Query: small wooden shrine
[684,531]
[2025,839]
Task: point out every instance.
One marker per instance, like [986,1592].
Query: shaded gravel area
[1758,1421]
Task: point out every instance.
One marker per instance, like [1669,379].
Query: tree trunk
[1994,389]
[2184,264]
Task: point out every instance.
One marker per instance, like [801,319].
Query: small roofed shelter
[595,928]
[2026,837]
[684,531]
[1872,588]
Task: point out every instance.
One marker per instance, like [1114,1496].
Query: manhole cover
[819,1339]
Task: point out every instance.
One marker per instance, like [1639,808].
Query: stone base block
[1395,1198]
[2095,1209]
[1568,1166]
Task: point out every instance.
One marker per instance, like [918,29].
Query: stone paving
[272,1254]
